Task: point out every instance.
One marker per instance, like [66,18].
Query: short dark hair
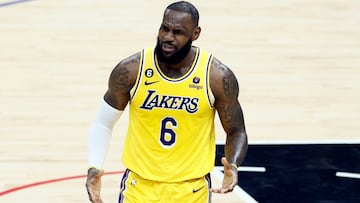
[186,7]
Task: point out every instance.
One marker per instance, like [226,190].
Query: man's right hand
[93,184]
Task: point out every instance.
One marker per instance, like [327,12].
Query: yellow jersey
[171,135]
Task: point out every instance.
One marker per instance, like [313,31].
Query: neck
[178,69]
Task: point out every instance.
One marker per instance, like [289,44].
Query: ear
[196,33]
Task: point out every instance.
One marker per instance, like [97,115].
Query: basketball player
[173,91]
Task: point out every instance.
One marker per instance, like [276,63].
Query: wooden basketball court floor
[297,62]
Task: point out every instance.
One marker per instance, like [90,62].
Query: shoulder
[126,70]
[122,79]
[219,69]
[223,81]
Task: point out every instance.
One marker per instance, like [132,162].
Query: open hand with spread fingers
[230,178]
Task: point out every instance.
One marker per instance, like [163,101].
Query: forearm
[236,147]
[100,134]
[97,145]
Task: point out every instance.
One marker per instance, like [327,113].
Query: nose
[169,36]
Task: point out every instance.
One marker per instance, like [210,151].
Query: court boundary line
[237,189]
[298,142]
[257,169]
[35,184]
[347,175]
[9,3]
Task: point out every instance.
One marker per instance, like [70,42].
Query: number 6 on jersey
[167,134]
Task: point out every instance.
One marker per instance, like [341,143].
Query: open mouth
[167,47]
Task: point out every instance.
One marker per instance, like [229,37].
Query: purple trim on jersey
[207,83]
[123,185]
[208,180]
[142,57]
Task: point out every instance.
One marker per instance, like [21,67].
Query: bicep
[117,94]
[121,80]
[226,90]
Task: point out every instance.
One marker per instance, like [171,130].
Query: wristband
[235,166]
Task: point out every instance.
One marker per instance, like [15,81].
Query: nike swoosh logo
[150,83]
[197,190]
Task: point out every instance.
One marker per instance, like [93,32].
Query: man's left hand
[230,178]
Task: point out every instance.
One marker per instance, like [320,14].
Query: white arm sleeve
[100,134]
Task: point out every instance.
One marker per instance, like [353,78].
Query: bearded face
[173,57]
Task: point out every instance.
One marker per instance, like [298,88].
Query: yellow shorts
[134,189]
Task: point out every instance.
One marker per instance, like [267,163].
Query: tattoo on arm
[120,77]
[121,80]
[230,85]
[231,108]
[231,117]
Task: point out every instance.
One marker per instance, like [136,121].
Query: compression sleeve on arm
[100,134]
